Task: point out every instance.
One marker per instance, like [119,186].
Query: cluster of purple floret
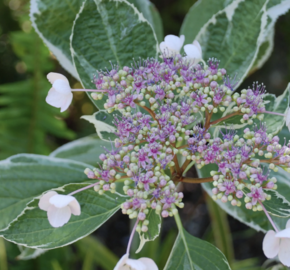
[161,110]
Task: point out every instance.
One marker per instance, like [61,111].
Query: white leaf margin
[61,57]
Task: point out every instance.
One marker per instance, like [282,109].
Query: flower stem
[88,90]
[274,113]
[268,216]
[223,118]
[131,236]
[196,180]
[84,188]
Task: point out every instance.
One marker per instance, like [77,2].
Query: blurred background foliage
[29,125]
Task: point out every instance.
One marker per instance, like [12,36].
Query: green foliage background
[29,125]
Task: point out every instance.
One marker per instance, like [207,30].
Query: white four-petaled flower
[278,244]
[193,51]
[60,95]
[59,207]
[171,45]
[141,264]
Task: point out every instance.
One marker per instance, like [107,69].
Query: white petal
[55,98]
[288,224]
[60,200]
[196,43]
[121,262]
[150,264]
[288,117]
[44,200]
[174,42]
[136,264]
[192,51]
[284,252]
[52,77]
[75,207]
[67,102]
[271,244]
[284,233]
[57,217]
[61,86]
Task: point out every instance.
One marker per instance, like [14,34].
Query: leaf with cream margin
[105,31]
[32,229]
[233,35]
[53,22]
[103,122]
[87,150]
[151,14]
[275,8]
[153,229]
[25,176]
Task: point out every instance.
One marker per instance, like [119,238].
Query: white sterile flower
[60,95]
[288,119]
[59,207]
[193,51]
[171,45]
[141,264]
[278,244]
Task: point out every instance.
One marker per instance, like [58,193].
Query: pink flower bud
[239,194]
[164,214]
[141,216]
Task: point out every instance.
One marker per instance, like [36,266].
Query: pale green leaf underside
[191,253]
[25,176]
[32,228]
[87,150]
[107,31]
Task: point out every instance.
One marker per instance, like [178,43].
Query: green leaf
[103,122]
[53,22]
[153,229]
[275,8]
[87,150]
[256,220]
[191,253]
[233,35]
[198,15]
[23,177]
[32,229]
[280,104]
[278,206]
[107,31]
[151,14]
